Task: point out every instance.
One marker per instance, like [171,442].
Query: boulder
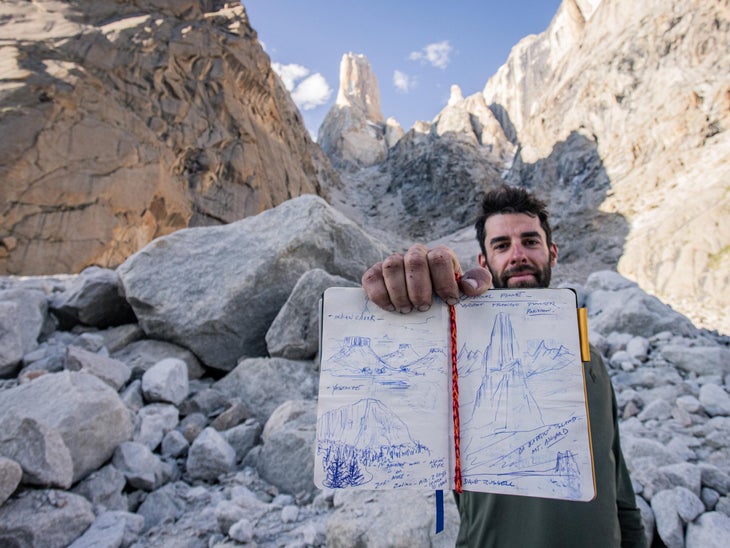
[265,383]
[48,518]
[216,290]
[294,333]
[287,457]
[113,372]
[142,468]
[11,339]
[398,517]
[10,476]
[166,381]
[94,298]
[114,528]
[88,415]
[143,354]
[38,449]
[31,314]
[209,456]
[629,309]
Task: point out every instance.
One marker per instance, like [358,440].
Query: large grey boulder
[701,360]
[49,518]
[88,414]
[263,384]
[616,304]
[287,456]
[294,333]
[166,381]
[216,290]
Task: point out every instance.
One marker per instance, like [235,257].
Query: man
[517,251]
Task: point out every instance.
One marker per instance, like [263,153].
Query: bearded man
[517,250]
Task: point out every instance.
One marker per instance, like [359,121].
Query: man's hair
[508,199]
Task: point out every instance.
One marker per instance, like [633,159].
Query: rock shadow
[574,182]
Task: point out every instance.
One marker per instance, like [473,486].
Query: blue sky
[416,49]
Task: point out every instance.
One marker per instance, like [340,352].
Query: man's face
[517,251]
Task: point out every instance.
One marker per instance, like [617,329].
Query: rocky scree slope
[128,416]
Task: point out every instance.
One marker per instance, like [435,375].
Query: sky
[417,49]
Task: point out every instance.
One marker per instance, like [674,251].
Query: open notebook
[385,415]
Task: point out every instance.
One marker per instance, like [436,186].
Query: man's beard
[541,276]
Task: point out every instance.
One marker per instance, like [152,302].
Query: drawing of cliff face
[354,437]
[356,356]
[504,393]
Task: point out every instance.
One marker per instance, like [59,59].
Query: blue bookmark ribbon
[439,511]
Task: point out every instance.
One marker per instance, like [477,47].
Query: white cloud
[403,82]
[289,74]
[307,91]
[311,92]
[436,54]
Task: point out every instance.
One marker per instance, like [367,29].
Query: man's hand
[408,282]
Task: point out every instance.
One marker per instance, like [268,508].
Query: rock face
[644,86]
[617,115]
[354,133]
[427,184]
[122,122]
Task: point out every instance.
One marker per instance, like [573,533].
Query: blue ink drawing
[385,416]
[354,438]
[509,435]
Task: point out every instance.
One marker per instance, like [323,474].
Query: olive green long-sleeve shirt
[612,519]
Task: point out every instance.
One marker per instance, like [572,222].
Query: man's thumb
[475,281]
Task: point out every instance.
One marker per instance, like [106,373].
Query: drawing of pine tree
[336,471]
[355,475]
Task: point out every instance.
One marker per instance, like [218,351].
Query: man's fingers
[394,276]
[418,277]
[407,282]
[374,285]
[475,281]
[444,266]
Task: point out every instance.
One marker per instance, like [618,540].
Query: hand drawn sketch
[384,418]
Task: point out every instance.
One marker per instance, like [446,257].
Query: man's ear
[482,261]
[553,254]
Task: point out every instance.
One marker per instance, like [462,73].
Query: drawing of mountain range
[546,358]
[402,357]
[356,356]
[468,360]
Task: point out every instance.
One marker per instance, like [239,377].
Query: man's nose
[518,254]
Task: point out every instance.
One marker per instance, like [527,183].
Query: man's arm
[406,282]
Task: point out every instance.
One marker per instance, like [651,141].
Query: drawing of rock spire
[504,392]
